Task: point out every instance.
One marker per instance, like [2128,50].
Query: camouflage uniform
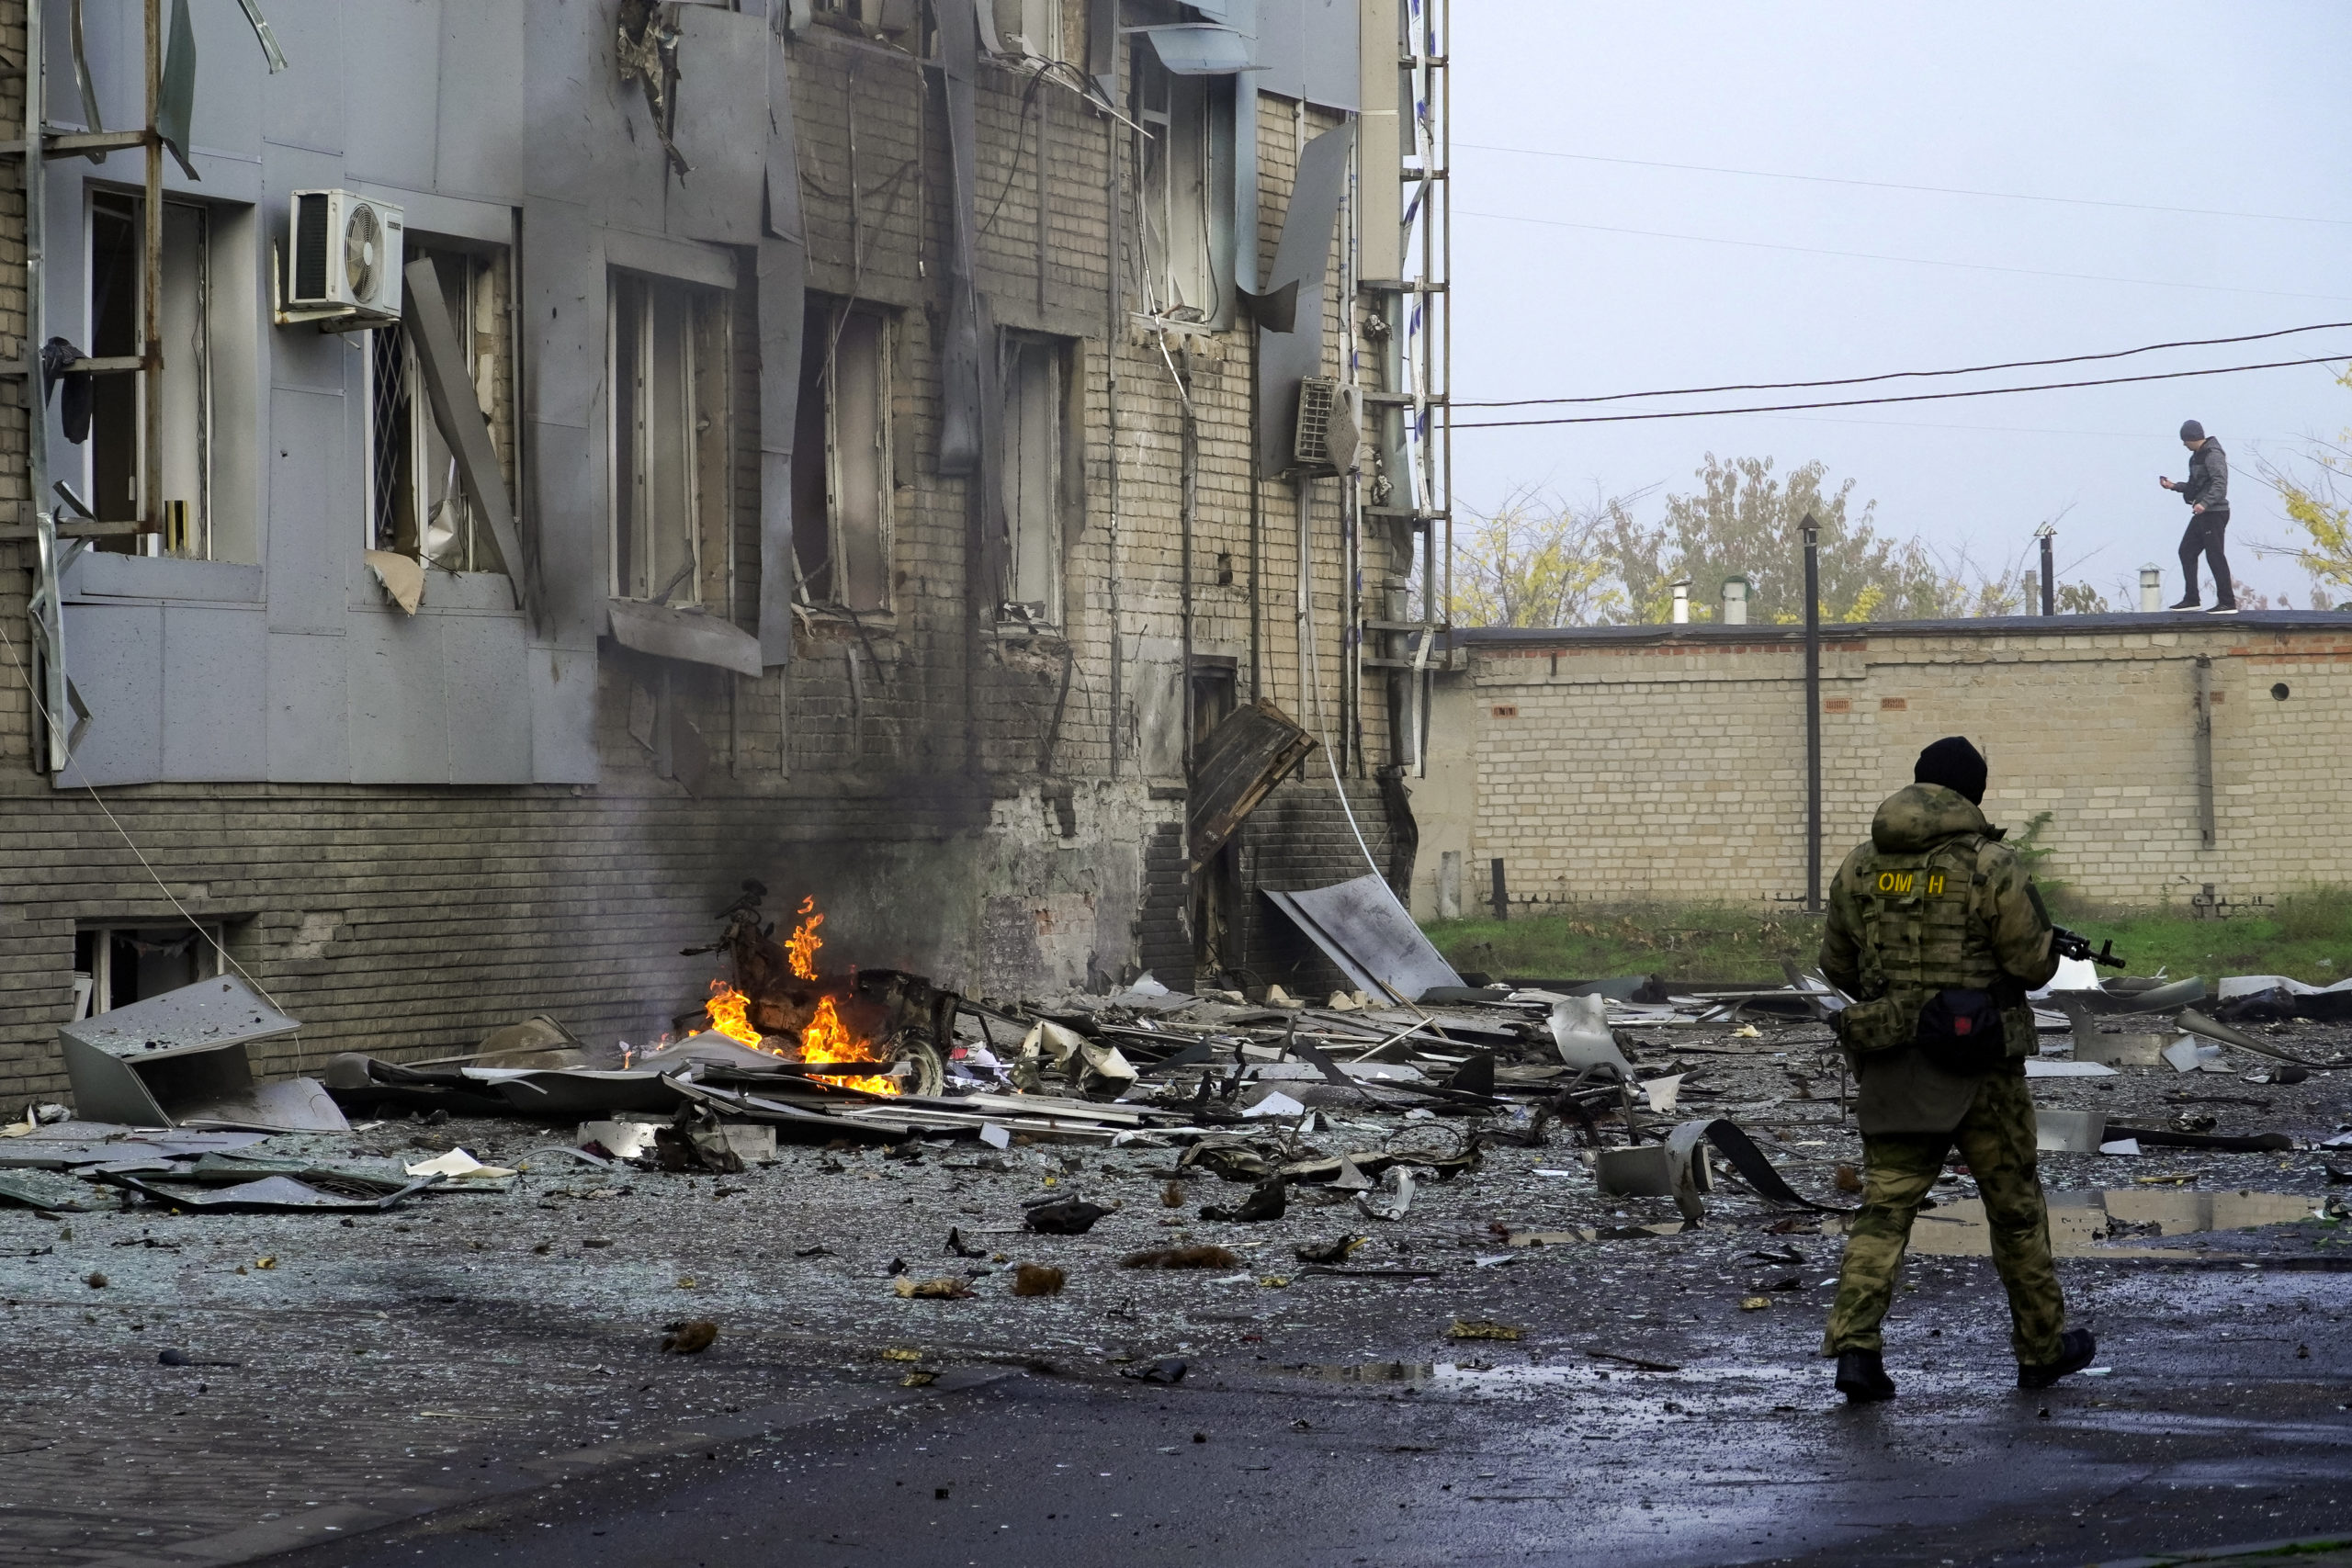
[1936,901]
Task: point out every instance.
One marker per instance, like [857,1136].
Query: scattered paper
[2120,1147]
[459,1166]
[2045,1067]
[1275,1104]
[1665,1093]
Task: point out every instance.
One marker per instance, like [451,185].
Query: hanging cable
[1903,375]
[1904,398]
[1891,185]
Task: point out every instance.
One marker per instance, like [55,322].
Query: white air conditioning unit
[346,254]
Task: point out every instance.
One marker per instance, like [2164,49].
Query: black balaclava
[1955,764]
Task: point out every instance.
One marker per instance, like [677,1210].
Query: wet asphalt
[2226,1419]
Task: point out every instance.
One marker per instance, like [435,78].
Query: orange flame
[730,1014]
[826,1038]
[801,947]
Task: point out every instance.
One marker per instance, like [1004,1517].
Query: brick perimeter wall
[1672,771]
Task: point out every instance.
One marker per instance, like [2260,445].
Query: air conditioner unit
[1310,451]
[346,255]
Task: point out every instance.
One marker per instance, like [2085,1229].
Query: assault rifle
[2072,944]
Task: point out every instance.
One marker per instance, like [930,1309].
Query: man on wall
[2207,491]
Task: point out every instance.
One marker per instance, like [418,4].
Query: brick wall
[1615,766]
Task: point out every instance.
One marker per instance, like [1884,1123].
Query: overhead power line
[1902,398]
[1912,261]
[1894,184]
[1903,375]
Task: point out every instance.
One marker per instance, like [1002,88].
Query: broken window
[115,966]
[1035,377]
[842,488]
[670,431]
[1030,27]
[1185,160]
[120,484]
[417,503]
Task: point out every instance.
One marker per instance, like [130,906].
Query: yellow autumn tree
[2317,495]
[1537,561]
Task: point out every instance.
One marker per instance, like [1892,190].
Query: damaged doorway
[1216,887]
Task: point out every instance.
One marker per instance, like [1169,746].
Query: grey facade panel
[481,132]
[391,91]
[302,107]
[103,574]
[722,124]
[116,655]
[562,691]
[1302,257]
[313,532]
[563,320]
[400,725]
[1194,49]
[589,137]
[1308,48]
[309,717]
[487,703]
[228,73]
[782,297]
[784,217]
[216,688]
[567,485]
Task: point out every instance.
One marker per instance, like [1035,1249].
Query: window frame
[1194,114]
[825,318]
[488,279]
[705,427]
[191,536]
[1049,525]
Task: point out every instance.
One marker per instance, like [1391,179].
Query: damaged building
[483,481]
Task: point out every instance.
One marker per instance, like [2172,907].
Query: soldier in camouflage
[1936,933]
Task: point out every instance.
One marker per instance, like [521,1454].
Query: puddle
[2091,1224]
[1475,1378]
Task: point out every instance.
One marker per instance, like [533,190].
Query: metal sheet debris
[1361,927]
[179,1059]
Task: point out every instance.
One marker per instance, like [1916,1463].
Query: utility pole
[1812,715]
[2046,533]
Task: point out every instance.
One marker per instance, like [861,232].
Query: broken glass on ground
[2085,1223]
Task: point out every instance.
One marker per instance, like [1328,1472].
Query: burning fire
[825,1038]
[801,946]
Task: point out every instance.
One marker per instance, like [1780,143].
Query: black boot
[2076,1349]
[2188,604]
[1861,1377]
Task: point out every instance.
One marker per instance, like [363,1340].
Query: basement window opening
[115,965]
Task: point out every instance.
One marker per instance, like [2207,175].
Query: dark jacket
[2209,478]
[1949,906]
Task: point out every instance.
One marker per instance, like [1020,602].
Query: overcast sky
[2149,107]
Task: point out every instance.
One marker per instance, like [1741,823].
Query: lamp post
[1812,714]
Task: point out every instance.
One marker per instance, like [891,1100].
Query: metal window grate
[387,370]
[1311,444]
